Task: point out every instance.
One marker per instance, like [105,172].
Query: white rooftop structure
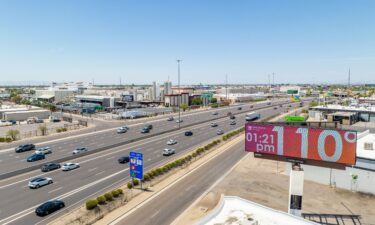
[234,210]
[347,108]
[366,145]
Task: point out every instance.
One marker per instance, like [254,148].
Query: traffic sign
[136,165]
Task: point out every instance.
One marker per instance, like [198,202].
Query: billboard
[336,146]
[127,98]
[136,165]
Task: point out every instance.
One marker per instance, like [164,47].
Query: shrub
[114,193]
[159,170]
[165,169]
[100,199]
[146,177]
[206,147]
[130,185]
[91,203]
[135,182]
[194,154]
[108,196]
[13,134]
[149,174]
[5,139]
[120,191]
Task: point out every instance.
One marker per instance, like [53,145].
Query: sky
[139,41]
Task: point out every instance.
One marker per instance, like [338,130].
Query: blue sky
[312,41]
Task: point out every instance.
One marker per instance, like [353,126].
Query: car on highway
[274,108]
[171,142]
[168,151]
[179,121]
[215,113]
[268,103]
[170,118]
[50,166]
[251,106]
[239,108]
[35,157]
[232,117]
[149,126]
[49,207]
[219,132]
[145,130]
[188,133]
[43,150]
[214,124]
[123,129]
[252,116]
[70,166]
[79,150]
[232,122]
[123,159]
[38,182]
[24,148]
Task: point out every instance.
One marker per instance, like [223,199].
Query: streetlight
[179,94]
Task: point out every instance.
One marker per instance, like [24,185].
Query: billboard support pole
[295,189]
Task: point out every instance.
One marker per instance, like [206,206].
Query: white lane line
[110,158]
[99,145]
[99,173]
[92,169]
[55,190]
[155,214]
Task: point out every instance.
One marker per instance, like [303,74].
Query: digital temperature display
[337,146]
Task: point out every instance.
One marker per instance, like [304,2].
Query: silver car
[168,151]
[171,142]
[44,150]
[79,150]
[38,182]
[70,166]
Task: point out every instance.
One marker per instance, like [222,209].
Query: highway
[100,171]
[11,161]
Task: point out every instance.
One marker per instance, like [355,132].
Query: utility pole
[273,79]
[349,79]
[226,86]
[179,94]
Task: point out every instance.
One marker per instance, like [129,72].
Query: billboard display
[127,98]
[336,146]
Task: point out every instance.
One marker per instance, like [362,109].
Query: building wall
[23,115]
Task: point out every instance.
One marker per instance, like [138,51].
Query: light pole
[179,94]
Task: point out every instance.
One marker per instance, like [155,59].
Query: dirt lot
[258,180]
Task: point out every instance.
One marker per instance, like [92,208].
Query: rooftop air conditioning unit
[369,146]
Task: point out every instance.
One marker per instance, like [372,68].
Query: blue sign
[136,165]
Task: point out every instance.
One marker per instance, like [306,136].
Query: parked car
[70,166]
[170,118]
[123,159]
[274,108]
[50,166]
[188,133]
[49,207]
[171,142]
[123,129]
[24,148]
[35,157]
[54,119]
[219,132]
[168,151]
[13,122]
[4,123]
[79,151]
[232,122]
[214,124]
[38,182]
[229,113]
[43,150]
[145,130]
[215,113]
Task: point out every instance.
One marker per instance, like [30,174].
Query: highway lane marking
[99,173]
[55,190]
[110,158]
[92,169]
[155,214]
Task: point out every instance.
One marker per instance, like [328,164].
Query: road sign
[334,146]
[136,165]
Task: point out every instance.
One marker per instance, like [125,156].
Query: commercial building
[104,101]
[24,115]
[173,99]
[362,113]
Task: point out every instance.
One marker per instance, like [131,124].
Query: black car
[35,157]
[50,166]
[49,207]
[24,148]
[145,130]
[239,108]
[232,117]
[123,159]
[188,133]
[148,126]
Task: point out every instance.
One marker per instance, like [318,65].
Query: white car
[168,151]
[171,142]
[70,166]
[38,182]
[123,129]
[44,150]
[79,151]
[219,132]
[179,121]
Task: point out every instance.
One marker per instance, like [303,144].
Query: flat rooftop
[346,108]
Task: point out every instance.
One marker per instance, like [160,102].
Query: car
[215,113]
[38,182]
[70,166]
[145,130]
[268,103]
[49,207]
[179,121]
[50,166]
[24,148]
[239,108]
[149,126]
[43,150]
[170,118]
[168,151]
[123,129]
[188,133]
[251,106]
[229,113]
[274,108]
[79,151]
[214,125]
[123,159]
[35,157]
[219,132]
[14,122]
[232,117]
[171,142]
[232,122]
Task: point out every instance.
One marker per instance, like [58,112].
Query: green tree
[213,100]
[313,103]
[16,99]
[184,107]
[13,134]
[43,129]
[52,108]
[196,101]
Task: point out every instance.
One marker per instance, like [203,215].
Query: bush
[120,191]
[135,182]
[100,199]
[194,154]
[159,170]
[91,203]
[5,139]
[130,185]
[114,193]
[146,177]
[108,196]
[165,169]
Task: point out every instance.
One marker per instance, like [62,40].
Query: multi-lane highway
[11,161]
[100,171]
